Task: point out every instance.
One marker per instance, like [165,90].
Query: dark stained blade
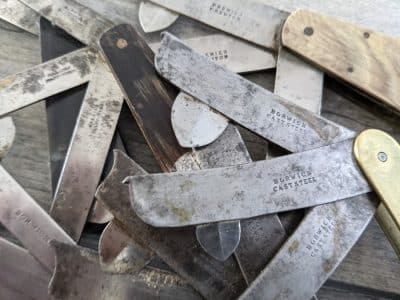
[177,247]
[78,275]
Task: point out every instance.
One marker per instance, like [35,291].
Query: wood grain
[364,58]
[149,100]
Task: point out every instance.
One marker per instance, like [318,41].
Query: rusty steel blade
[7,135]
[21,276]
[268,115]
[218,240]
[242,18]
[24,218]
[47,79]
[153,17]
[93,283]
[87,152]
[291,182]
[178,248]
[20,15]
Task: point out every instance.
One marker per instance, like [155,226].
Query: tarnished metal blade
[178,248]
[15,12]
[195,124]
[79,21]
[243,18]
[47,79]
[291,182]
[99,214]
[218,240]
[270,116]
[78,275]
[313,252]
[299,82]
[153,17]
[237,55]
[119,254]
[7,135]
[21,276]
[24,218]
[87,152]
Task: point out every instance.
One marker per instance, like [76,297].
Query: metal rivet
[382,156]
[366,35]
[308,31]
[350,69]
[122,43]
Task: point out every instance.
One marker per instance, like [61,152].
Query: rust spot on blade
[294,246]
[6,82]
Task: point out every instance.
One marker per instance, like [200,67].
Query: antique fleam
[297,120]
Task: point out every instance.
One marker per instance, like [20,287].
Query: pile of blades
[212,216]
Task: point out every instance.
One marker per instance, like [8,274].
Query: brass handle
[378,155]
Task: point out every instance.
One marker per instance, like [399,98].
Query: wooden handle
[378,156]
[368,60]
[149,99]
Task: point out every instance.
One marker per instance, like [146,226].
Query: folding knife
[299,175]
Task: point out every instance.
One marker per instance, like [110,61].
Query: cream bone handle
[366,59]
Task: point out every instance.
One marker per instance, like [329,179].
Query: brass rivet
[308,31]
[350,69]
[366,35]
[382,156]
[122,43]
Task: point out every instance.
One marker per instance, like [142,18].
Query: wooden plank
[366,59]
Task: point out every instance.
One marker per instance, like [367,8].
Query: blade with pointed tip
[153,17]
[93,283]
[194,129]
[21,276]
[87,151]
[20,15]
[218,240]
[7,135]
[195,124]
[46,79]
[178,248]
[118,254]
[24,218]
[268,115]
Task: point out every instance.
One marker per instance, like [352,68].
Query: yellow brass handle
[378,155]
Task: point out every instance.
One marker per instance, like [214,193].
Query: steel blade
[243,18]
[24,218]
[93,283]
[153,17]
[119,254]
[79,21]
[195,124]
[313,252]
[87,152]
[286,183]
[178,248]
[7,135]
[20,15]
[218,240]
[47,79]
[21,276]
[269,115]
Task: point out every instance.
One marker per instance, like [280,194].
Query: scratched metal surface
[371,269]
[62,73]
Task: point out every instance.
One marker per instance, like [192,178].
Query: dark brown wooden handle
[148,98]
[368,60]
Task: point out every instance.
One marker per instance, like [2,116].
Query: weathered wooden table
[370,271]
